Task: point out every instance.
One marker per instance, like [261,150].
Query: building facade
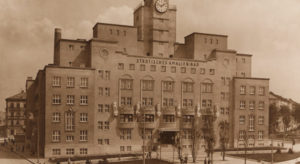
[15,115]
[104,95]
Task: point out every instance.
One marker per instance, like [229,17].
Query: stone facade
[93,98]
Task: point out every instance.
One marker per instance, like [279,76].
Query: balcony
[169,126]
[207,111]
[148,110]
[169,110]
[148,125]
[186,125]
[126,110]
[188,111]
[127,125]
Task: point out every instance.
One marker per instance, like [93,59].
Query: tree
[286,116]
[224,136]
[296,112]
[196,134]
[273,118]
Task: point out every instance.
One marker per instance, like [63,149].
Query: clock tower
[156,24]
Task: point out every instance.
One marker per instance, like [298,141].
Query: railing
[127,125]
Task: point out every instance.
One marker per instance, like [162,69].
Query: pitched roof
[19,96]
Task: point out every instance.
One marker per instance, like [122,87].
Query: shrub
[278,151]
[291,151]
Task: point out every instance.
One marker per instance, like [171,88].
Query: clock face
[161,6]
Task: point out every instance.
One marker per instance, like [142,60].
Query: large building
[91,99]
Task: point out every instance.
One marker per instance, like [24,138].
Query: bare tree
[224,136]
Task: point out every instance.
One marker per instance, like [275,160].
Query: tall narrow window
[261,91]
[188,86]
[84,82]
[70,82]
[148,85]
[55,136]
[69,121]
[56,99]
[243,90]
[70,99]
[83,135]
[84,100]
[251,123]
[56,81]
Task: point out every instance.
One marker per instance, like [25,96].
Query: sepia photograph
[149,82]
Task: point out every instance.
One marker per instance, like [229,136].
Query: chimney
[29,82]
[57,37]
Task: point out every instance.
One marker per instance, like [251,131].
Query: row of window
[56,117]
[104,74]
[17,105]
[15,122]
[57,82]
[252,105]
[173,69]
[16,114]
[56,99]
[103,125]
[252,90]
[244,136]
[167,86]
[70,151]
[261,121]
[56,136]
[104,91]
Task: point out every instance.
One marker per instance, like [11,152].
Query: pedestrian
[205,162]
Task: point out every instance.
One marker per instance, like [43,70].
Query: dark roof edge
[251,78]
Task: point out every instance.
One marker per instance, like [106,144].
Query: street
[8,157]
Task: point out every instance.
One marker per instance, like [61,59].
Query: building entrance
[168,137]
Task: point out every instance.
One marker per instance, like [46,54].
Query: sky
[268,29]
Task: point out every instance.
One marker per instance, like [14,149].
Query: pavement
[9,157]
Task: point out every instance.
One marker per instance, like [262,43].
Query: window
[187,103]
[261,120]
[163,68]
[83,100]
[125,134]
[242,120]
[83,117]
[121,66]
[261,91]
[70,82]
[71,47]
[206,103]
[131,67]
[242,134]
[56,81]
[211,71]
[70,139]
[222,111]
[148,85]
[251,123]
[100,91]
[242,104]
[100,107]
[124,118]
[243,74]
[168,102]
[193,70]
[84,82]
[252,105]
[168,86]
[260,135]
[188,118]
[187,134]
[83,151]
[107,91]
[107,75]
[100,141]
[243,90]
[126,84]
[100,125]
[55,136]
[207,87]
[70,151]
[252,90]
[106,141]
[183,70]
[173,69]
[56,117]
[202,70]
[227,111]
[55,151]
[126,101]
[56,99]
[149,118]
[187,86]
[243,60]
[223,96]
[106,125]
[142,67]
[69,121]
[106,107]
[261,105]
[168,118]
[148,133]
[70,99]
[122,148]
[153,68]
[147,101]
[100,72]
[83,135]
